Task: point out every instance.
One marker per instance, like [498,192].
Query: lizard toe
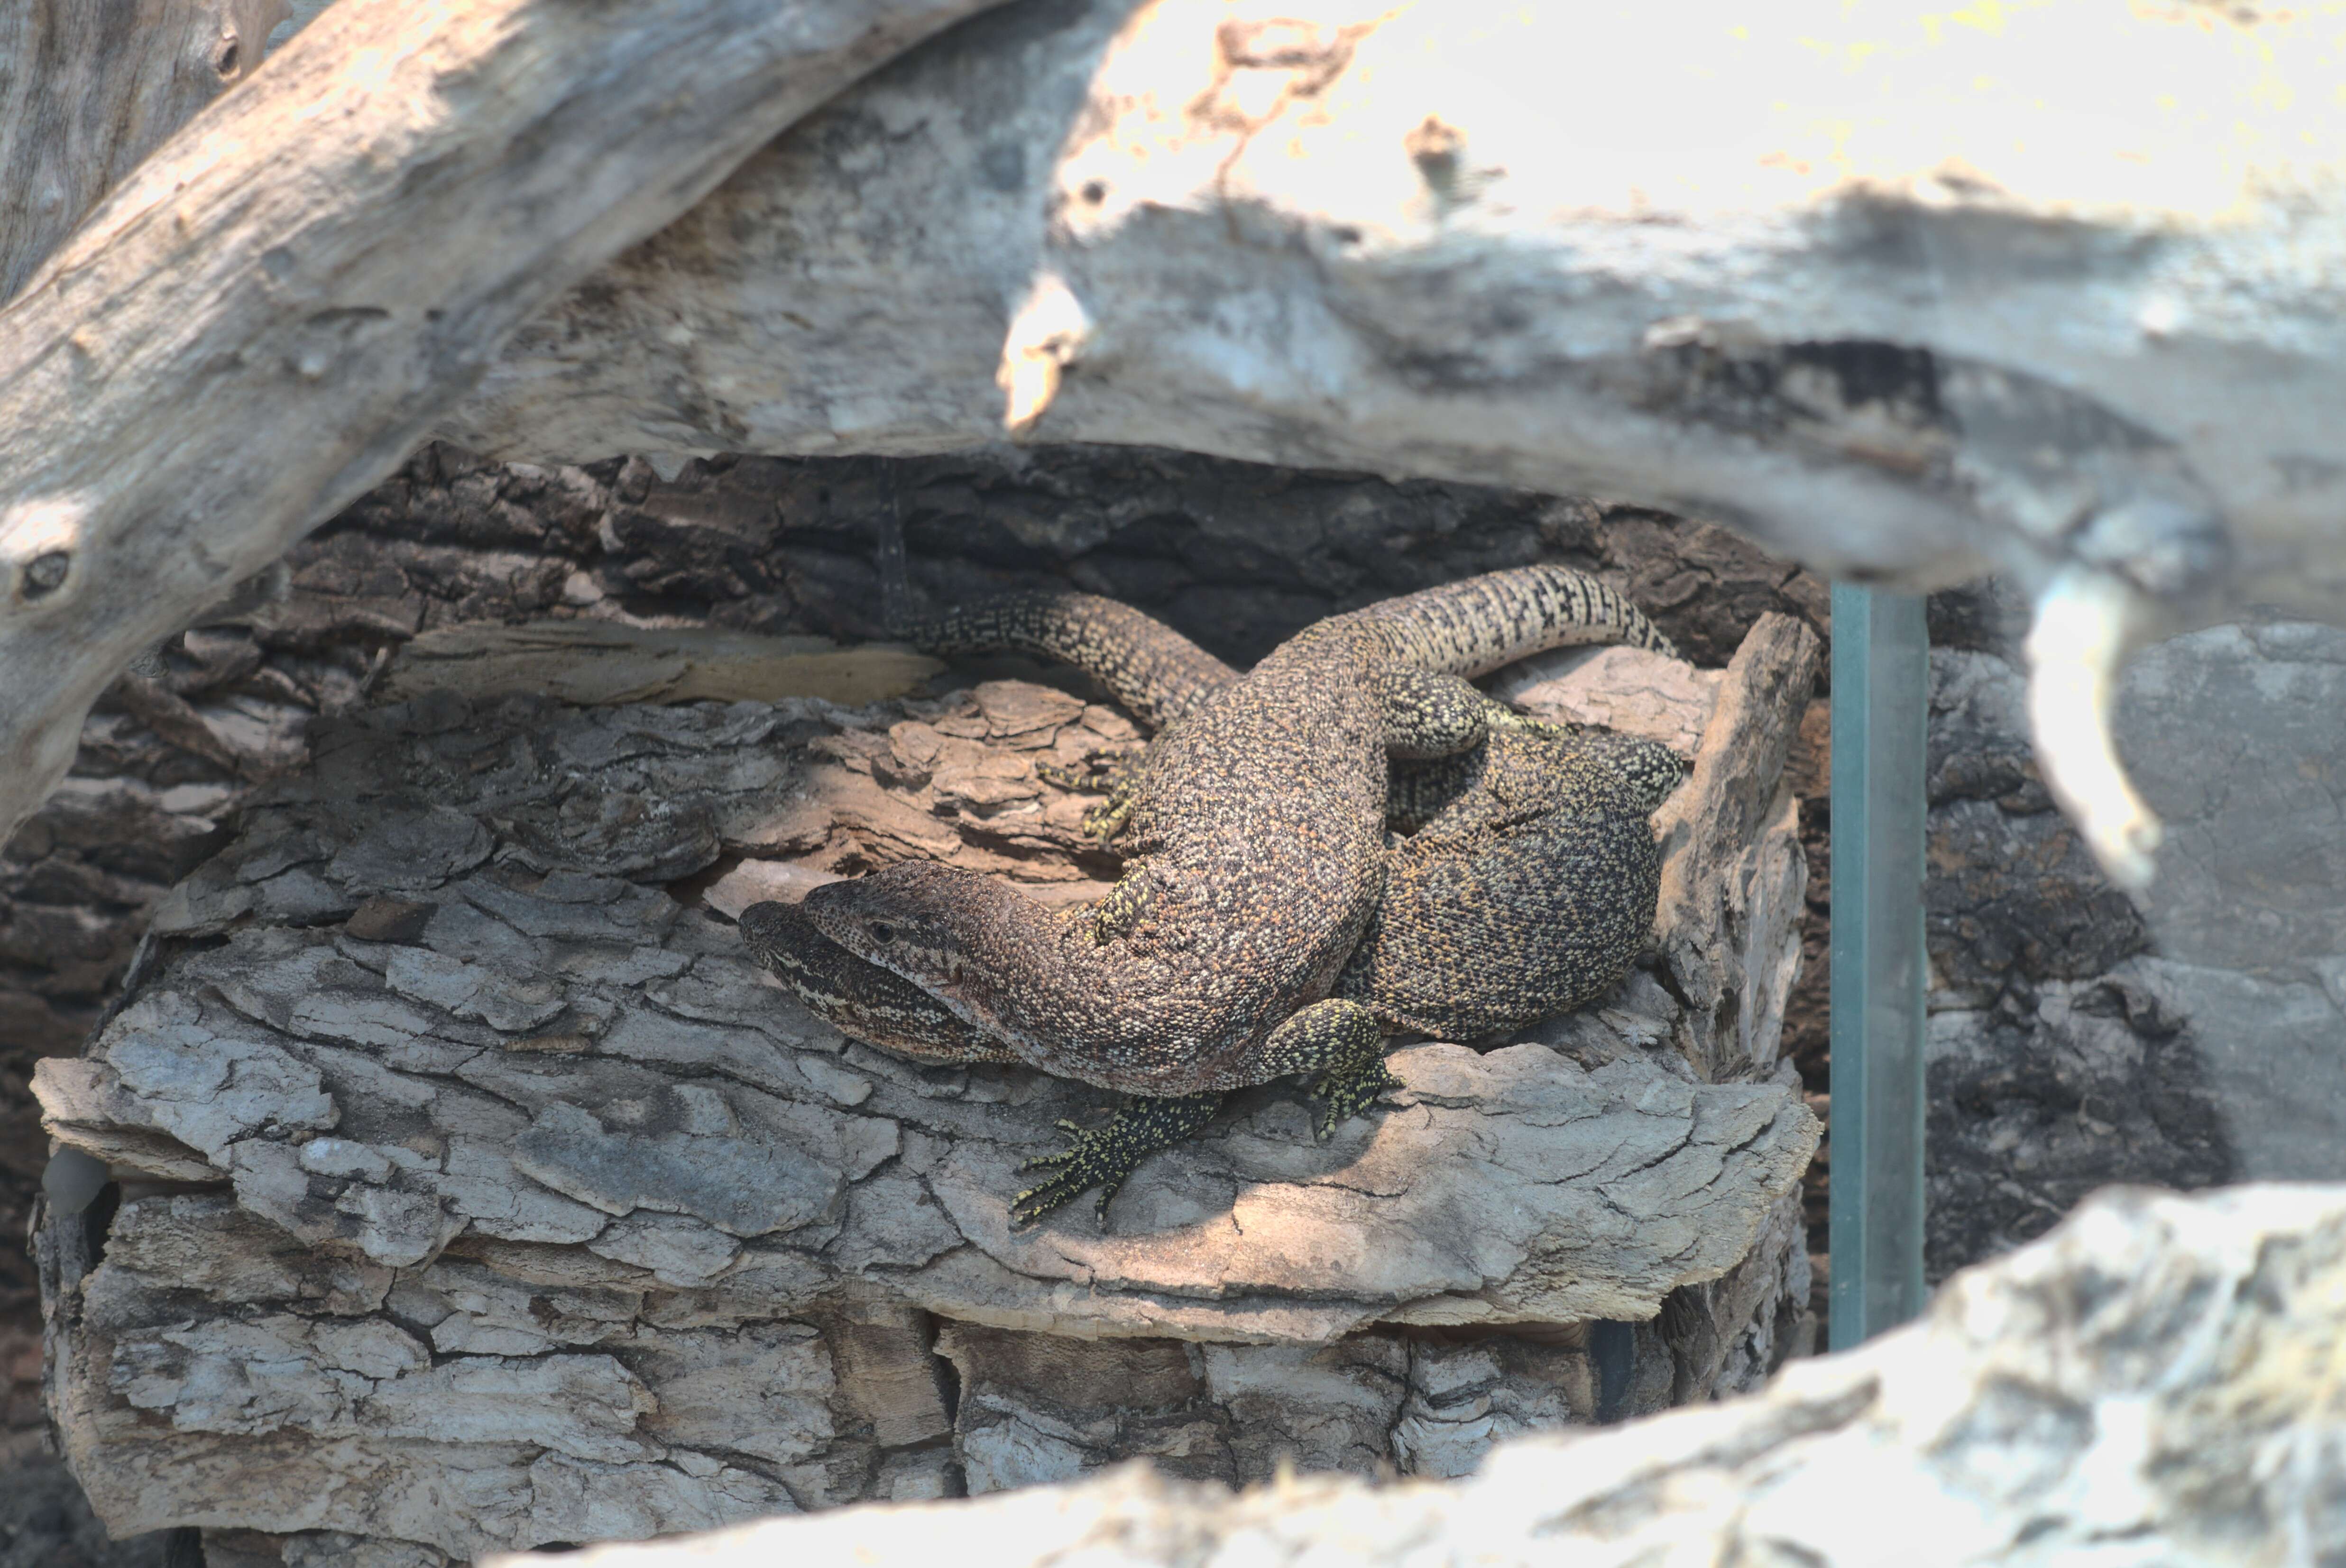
[1104,1156]
[1346,1092]
[1038,1201]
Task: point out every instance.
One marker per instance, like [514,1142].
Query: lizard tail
[1477,624]
[1147,666]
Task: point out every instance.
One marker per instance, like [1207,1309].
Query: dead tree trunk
[90,87]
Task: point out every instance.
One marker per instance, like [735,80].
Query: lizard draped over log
[1526,886]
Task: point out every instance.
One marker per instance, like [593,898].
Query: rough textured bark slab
[555,1220]
[2141,1383]
[332,255]
[605,661]
[2079,1039]
[1744,837]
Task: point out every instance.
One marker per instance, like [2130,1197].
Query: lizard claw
[1345,1092]
[1102,1159]
[1104,1156]
[1038,1201]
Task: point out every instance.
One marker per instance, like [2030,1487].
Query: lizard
[1492,918]
[1254,844]
[1528,886]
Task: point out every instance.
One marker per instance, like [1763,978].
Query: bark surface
[2141,1381]
[87,90]
[557,1221]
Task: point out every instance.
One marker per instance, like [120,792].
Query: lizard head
[915,920]
[971,942]
[861,999]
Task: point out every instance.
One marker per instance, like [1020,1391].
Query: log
[2051,1404]
[87,90]
[331,255]
[471,1188]
[1900,297]
[584,661]
[1990,325]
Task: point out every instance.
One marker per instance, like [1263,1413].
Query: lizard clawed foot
[1107,820]
[1346,1090]
[1339,1041]
[1105,1158]
[1110,774]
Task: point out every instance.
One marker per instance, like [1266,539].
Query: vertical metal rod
[1881,708]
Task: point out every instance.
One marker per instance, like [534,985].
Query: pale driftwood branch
[1381,238]
[1885,320]
[268,314]
[2140,1382]
[556,1220]
[86,90]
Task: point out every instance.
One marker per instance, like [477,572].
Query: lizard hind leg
[1340,1042]
[1103,1158]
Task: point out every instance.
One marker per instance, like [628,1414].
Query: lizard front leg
[1103,1158]
[1116,776]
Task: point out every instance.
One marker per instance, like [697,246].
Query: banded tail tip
[2086,622]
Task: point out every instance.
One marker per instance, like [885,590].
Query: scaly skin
[1255,854]
[1528,888]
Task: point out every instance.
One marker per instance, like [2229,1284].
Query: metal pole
[1881,704]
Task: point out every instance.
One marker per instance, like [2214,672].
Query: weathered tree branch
[267,316]
[1795,272]
[1370,238]
[88,89]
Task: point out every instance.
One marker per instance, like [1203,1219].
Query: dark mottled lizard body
[1528,886]
[1525,887]
[1255,846]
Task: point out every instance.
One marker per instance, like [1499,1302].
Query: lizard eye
[882,932]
